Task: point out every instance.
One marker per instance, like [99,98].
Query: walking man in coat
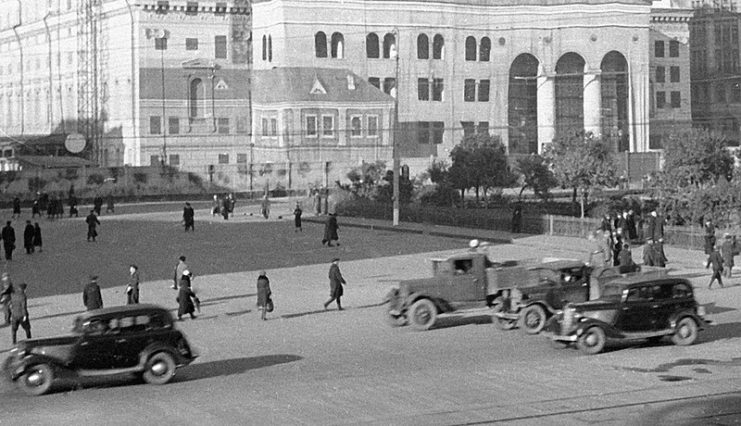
[189,217]
[91,297]
[8,236]
[92,223]
[330,231]
[716,261]
[263,294]
[132,287]
[186,297]
[335,284]
[16,207]
[180,268]
[37,241]
[28,233]
[19,311]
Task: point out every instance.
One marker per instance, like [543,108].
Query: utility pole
[394,148]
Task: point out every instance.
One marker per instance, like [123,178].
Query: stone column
[546,110]
[592,104]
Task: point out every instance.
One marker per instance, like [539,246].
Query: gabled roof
[304,84]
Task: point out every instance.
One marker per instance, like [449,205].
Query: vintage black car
[633,308]
[134,339]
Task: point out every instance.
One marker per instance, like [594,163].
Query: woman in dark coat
[330,230]
[186,297]
[263,294]
[297,212]
[28,233]
[37,242]
[335,284]
[132,286]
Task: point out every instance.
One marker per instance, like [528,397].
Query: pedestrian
[19,311]
[297,212]
[37,241]
[43,202]
[265,206]
[606,224]
[225,208]
[187,300]
[73,207]
[189,217]
[656,234]
[16,207]
[91,297]
[632,231]
[215,205]
[97,204]
[8,237]
[709,229]
[109,208]
[330,230]
[263,294]
[7,288]
[132,286]
[180,268]
[51,208]
[232,202]
[716,261]
[517,219]
[727,249]
[35,209]
[28,233]
[317,202]
[92,223]
[617,246]
[335,284]
[626,260]
[648,253]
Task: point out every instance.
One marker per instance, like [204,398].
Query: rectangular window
[469,90]
[389,85]
[660,99]
[375,81]
[438,87]
[155,125]
[438,128]
[160,43]
[423,89]
[220,47]
[191,44]
[483,128]
[674,74]
[736,92]
[660,74]
[673,49]
[191,8]
[311,126]
[327,126]
[242,123]
[175,160]
[265,126]
[484,91]
[223,158]
[423,132]
[154,160]
[356,126]
[273,127]
[223,124]
[468,128]
[173,125]
[241,158]
[676,100]
[372,126]
[162,6]
[659,49]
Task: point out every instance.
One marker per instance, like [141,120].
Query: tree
[480,162]
[583,163]
[537,175]
[365,179]
[696,158]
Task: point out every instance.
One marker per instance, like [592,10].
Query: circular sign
[75,143]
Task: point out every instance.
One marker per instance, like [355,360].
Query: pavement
[648,384]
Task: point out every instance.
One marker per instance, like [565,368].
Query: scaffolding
[89,100]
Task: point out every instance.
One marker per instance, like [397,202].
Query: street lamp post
[394,148]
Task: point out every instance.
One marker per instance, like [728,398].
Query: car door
[465,282]
[663,305]
[132,339]
[636,313]
[574,286]
[96,349]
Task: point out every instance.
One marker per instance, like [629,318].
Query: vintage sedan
[133,339]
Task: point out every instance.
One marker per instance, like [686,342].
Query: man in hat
[91,297]
[189,217]
[335,284]
[716,261]
[727,247]
[8,236]
[92,223]
[263,294]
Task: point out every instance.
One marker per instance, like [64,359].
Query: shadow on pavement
[332,308]
[459,320]
[712,308]
[228,367]
[702,411]
[238,313]
[720,331]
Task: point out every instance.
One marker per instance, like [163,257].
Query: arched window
[438,47]
[569,95]
[470,48]
[389,45]
[338,45]
[423,47]
[485,49]
[270,48]
[264,48]
[320,45]
[196,97]
[371,46]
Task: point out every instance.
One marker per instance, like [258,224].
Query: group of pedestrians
[720,253]
[31,238]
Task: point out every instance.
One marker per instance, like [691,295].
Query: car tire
[685,332]
[533,319]
[422,314]
[502,323]
[159,369]
[592,341]
[37,379]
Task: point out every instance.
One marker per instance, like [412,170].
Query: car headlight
[701,311]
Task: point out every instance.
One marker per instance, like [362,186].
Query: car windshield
[612,291]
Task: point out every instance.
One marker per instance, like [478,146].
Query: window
[423,47]
[389,86]
[264,48]
[371,46]
[470,48]
[423,89]
[674,74]
[372,126]
[162,6]
[220,47]
[389,45]
[356,127]
[438,46]
[375,81]
[485,49]
[437,89]
[438,127]
[191,44]
[469,90]
[423,132]
[154,160]
[173,125]
[468,128]
[673,49]
[311,126]
[681,290]
[223,158]
[660,75]
[270,48]
[677,99]
[265,127]
[660,99]
[160,43]
[484,91]
[242,123]
[483,128]
[659,49]
[735,92]
[174,160]
[338,43]
[241,158]
[191,8]
[196,95]
[320,45]
[327,126]
[223,126]
[274,127]
[155,125]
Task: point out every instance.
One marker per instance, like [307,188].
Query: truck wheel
[37,380]
[532,319]
[159,369]
[592,341]
[685,333]
[422,314]
[502,323]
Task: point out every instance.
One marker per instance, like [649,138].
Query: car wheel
[37,379]
[422,314]
[592,341]
[685,333]
[159,369]
[502,323]
[532,319]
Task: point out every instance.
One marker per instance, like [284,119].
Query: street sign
[75,143]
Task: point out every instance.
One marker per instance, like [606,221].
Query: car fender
[20,367]
[610,331]
[158,347]
[441,305]
[548,310]
[674,319]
